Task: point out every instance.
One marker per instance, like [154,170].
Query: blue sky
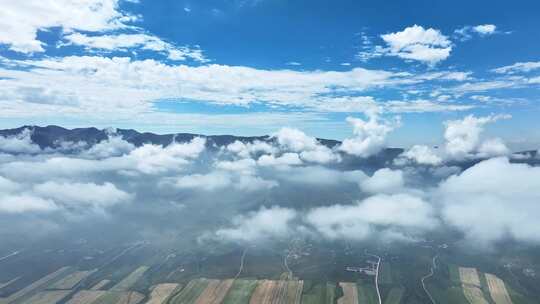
[251,67]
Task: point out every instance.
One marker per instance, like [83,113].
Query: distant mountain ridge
[49,136]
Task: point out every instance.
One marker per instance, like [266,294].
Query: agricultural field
[162,292]
[6,284]
[471,285]
[32,289]
[294,291]
[215,292]
[100,285]
[266,292]
[318,293]
[48,297]
[497,289]
[131,279]
[190,293]
[240,292]
[119,297]
[394,295]
[367,294]
[350,293]
[69,281]
[86,296]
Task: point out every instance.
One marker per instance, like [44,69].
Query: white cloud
[283,161]
[263,224]
[384,181]
[422,155]
[416,43]
[485,29]
[493,147]
[208,182]
[369,136]
[92,195]
[309,147]
[466,33]
[494,200]
[519,67]
[401,215]
[21,20]
[114,145]
[463,136]
[123,42]
[19,143]
[25,203]
[248,149]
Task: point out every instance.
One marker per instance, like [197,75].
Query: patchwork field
[394,295]
[86,296]
[35,287]
[190,293]
[119,297]
[294,291]
[350,293]
[469,276]
[6,284]
[471,285]
[71,280]
[162,292]
[240,292]
[497,290]
[318,293]
[215,292]
[48,297]
[367,294]
[100,285]
[131,279]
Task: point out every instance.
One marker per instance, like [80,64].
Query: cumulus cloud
[400,215]
[383,181]
[493,200]
[22,203]
[463,136]
[113,146]
[417,43]
[20,143]
[283,161]
[422,155]
[251,148]
[369,135]
[274,222]
[84,195]
[309,147]
[21,21]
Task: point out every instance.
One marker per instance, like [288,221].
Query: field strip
[190,293]
[86,296]
[497,290]
[48,297]
[240,292]
[470,282]
[264,292]
[350,293]
[131,279]
[100,284]
[161,292]
[36,286]
[72,279]
[294,292]
[469,276]
[215,292]
[6,284]
[130,297]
